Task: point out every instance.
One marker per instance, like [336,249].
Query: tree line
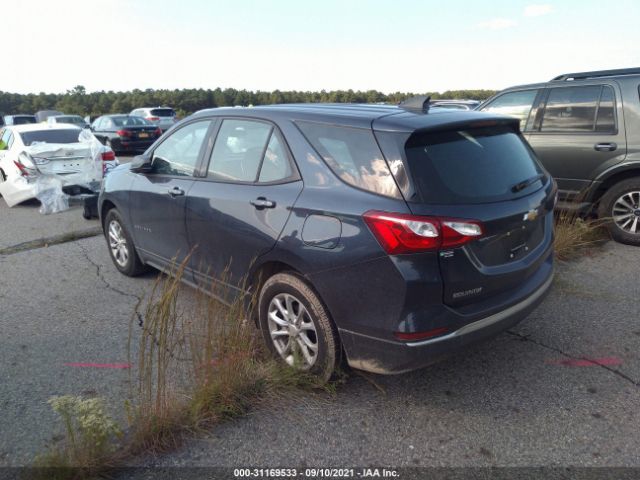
[186,101]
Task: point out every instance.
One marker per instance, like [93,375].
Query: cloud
[498,24]
[537,10]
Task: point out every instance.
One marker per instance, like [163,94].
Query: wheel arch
[613,178]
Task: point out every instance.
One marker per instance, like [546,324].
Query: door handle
[605,147]
[176,192]
[262,202]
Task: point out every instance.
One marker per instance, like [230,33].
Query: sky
[393,45]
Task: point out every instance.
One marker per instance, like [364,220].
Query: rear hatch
[484,172]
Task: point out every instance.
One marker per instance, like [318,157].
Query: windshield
[478,165]
[130,121]
[50,136]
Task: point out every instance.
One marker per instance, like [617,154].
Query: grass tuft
[575,236]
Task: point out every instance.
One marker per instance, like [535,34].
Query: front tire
[296,326]
[620,205]
[121,248]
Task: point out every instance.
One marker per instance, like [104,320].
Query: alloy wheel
[118,243]
[292,331]
[626,212]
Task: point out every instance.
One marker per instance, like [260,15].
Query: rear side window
[353,155]
[472,166]
[577,109]
[514,104]
[50,136]
[6,139]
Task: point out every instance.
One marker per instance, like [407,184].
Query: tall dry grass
[200,361]
[575,235]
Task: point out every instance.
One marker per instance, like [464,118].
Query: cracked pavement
[561,388]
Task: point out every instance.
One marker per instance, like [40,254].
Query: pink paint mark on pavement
[586,362]
[97,365]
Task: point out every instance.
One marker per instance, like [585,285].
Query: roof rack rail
[419,102]
[598,73]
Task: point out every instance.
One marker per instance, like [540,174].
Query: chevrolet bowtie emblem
[531,215]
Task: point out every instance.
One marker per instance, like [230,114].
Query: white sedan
[64,151]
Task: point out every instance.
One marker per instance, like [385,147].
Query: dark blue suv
[391,234]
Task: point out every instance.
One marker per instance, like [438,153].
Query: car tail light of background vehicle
[401,233]
[123,133]
[108,156]
[153,119]
[157,132]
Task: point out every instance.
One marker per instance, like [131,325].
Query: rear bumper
[388,357]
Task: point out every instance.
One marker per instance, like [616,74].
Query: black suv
[392,234]
[585,129]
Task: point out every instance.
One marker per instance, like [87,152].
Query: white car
[163,117]
[33,151]
[76,120]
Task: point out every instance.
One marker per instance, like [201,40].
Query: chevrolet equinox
[391,234]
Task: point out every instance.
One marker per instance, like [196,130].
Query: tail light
[108,156]
[153,119]
[400,233]
[25,164]
[123,133]
[158,132]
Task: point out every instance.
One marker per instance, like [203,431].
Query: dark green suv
[585,129]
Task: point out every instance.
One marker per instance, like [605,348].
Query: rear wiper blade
[525,183]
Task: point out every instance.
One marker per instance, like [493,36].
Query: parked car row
[135,136]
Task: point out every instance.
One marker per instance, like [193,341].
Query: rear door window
[353,155]
[514,104]
[572,109]
[239,149]
[479,165]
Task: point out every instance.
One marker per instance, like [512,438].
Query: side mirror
[141,163]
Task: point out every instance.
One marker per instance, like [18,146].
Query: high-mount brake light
[401,233]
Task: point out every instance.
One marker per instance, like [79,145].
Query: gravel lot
[528,397]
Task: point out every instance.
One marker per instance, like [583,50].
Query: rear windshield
[478,165]
[50,136]
[71,119]
[23,120]
[163,112]
[129,121]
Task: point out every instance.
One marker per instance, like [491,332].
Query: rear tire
[121,247]
[296,326]
[620,206]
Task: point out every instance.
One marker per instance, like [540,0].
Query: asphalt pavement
[559,389]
